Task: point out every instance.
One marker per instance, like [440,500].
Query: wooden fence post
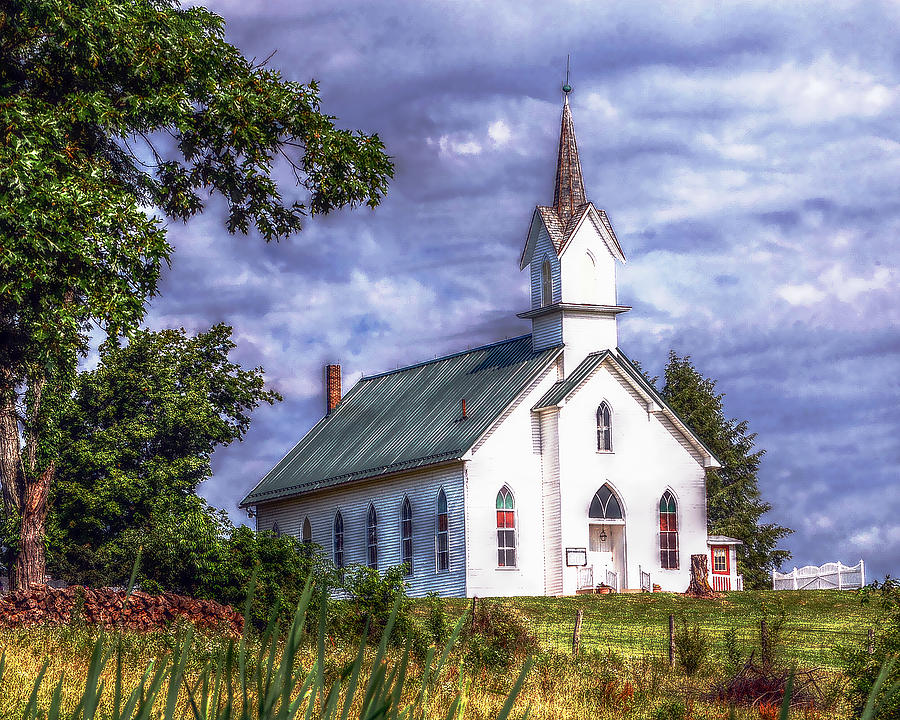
[576,635]
[671,640]
[871,647]
[764,640]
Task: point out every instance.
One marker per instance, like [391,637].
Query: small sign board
[576,557]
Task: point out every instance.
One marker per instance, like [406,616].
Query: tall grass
[265,679]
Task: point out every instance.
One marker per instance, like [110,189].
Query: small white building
[541,465]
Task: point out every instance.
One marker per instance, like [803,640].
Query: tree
[110,107]
[734,503]
[136,441]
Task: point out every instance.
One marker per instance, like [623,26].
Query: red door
[721,567]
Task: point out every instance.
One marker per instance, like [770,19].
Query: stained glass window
[605,505]
[604,428]
[506,528]
[338,537]
[406,542]
[668,532]
[372,538]
[442,533]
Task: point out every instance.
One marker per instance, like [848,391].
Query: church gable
[641,392]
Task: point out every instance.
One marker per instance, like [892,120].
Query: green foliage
[733,658]
[734,503]
[496,636]
[281,565]
[110,107]
[137,439]
[774,614]
[437,622]
[234,682]
[690,647]
[673,709]
[878,675]
[371,598]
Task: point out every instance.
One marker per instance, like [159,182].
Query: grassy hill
[809,627]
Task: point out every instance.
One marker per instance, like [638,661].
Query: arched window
[338,540]
[668,531]
[546,284]
[306,534]
[604,427]
[372,538]
[506,528]
[605,505]
[406,542]
[442,533]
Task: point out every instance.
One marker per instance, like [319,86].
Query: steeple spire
[568,194]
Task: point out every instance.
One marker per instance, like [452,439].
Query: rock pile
[46,605]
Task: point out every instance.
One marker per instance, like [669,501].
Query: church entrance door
[606,552]
[606,539]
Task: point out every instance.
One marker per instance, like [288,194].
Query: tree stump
[699,586]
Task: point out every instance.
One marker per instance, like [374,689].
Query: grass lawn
[816,623]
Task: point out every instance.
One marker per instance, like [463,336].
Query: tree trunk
[699,586]
[11,471]
[30,567]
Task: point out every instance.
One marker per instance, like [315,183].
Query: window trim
[712,557]
[338,552]
[604,428]
[546,282]
[673,533]
[408,562]
[438,532]
[306,526]
[371,537]
[515,529]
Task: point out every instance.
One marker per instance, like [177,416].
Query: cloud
[747,155]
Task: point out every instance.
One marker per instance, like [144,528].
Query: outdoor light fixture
[602,535]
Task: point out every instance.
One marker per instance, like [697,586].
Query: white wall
[509,455]
[648,457]
[587,281]
[387,494]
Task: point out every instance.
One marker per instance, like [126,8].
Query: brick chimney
[332,387]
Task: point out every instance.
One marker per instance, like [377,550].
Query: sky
[748,156]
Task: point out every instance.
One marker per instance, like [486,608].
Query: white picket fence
[830,576]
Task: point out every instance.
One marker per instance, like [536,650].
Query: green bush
[863,669]
[496,636]
[369,597]
[690,647]
[437,623]
[671,710]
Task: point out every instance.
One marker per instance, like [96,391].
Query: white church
[541,465]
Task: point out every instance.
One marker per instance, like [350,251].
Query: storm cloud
[747,155]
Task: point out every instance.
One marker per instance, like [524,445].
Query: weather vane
[567,88]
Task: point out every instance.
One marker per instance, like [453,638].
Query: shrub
[371,598]
[862,668]
[774,615]
[671,710]
[690,647]
[497,635]
[437,622]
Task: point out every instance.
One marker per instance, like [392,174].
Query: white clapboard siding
[544,250]
[546,331]
[387,494]
[553,554]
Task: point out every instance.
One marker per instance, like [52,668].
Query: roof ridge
[443,357]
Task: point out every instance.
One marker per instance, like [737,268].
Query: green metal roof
[561,388]
[406,418]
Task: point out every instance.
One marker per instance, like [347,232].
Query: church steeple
[568,195]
